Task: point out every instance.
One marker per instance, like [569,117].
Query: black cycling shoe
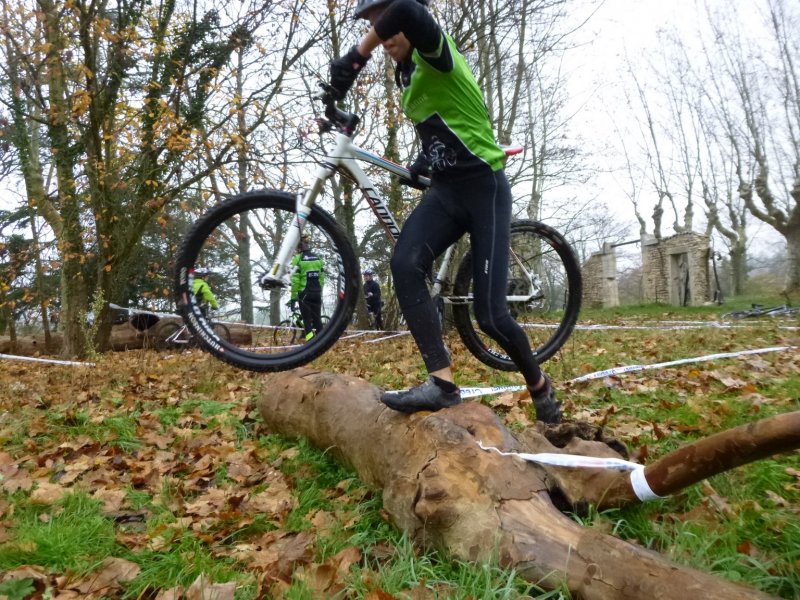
[548,409]
[427,396]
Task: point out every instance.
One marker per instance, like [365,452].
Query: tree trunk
[738,254]
[793,262]
[445,491]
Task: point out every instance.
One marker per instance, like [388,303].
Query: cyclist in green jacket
[202,291]
[307,281]
[469,193]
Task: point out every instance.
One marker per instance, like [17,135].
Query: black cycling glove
[344,71]
[421,167]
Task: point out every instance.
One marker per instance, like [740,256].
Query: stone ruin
[675,271]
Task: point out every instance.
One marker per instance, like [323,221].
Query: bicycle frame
[180,336]
[344,157]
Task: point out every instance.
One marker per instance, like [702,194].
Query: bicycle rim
[237,240]
[544,274]
[164,331]
[222,331]
[286,333]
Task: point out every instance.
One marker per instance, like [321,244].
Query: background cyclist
[307,281]
[372,294]
[469,194]
[202,291]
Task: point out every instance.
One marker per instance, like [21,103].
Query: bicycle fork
[279,274]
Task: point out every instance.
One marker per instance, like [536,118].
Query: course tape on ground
[472,392]
[638,480]
[50,361]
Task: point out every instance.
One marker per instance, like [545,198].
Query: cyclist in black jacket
[469,194]
[372,295]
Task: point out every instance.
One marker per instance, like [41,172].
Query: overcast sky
[619,33]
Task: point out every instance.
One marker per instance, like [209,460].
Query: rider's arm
[297,277]
[420,28]
[212,299]
[208,296]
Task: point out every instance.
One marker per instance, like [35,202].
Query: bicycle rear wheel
[544,290]
[286,333]
[222,331]
[238,240]
[163,334]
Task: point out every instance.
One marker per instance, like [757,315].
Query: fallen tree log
[130,335]
[445,491]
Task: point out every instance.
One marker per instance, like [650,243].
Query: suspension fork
[279,273]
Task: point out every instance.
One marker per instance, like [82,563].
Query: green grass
[70,535]
[757,541]
[118,430]
[186,559]
[669,312]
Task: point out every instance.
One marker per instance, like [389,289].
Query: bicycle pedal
[269,282]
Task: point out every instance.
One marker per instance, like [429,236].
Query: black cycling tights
[480,206]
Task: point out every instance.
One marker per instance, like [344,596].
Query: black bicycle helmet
[364,5]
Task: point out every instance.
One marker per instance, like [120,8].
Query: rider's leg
[309,309]
[490,218]
[428,231]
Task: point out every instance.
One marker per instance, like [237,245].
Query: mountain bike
[759,310]
[292,330]
[251,238]
[174,334]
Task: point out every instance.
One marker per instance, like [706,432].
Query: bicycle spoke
[239,246]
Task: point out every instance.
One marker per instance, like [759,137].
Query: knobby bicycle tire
[549,317]
[237,240]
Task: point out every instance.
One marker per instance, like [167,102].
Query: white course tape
[640,486]
[48,360]
[474,392]
[639,483]
[683,361]
[387,337]
[569,460]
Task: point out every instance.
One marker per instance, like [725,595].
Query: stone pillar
[599,274]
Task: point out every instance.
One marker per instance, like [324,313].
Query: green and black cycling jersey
[441,96]
[309,274]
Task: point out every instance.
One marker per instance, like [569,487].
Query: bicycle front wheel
[237,241]
[544,295]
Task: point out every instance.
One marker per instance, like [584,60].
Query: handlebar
[335,118]
[346,123]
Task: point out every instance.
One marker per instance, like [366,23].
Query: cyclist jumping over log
[469,193]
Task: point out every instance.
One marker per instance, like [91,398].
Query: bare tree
[757,101]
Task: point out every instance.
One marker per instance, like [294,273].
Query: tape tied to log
[639,483]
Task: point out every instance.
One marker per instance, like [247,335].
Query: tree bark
[445,491]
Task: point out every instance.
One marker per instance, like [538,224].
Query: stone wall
[675,270]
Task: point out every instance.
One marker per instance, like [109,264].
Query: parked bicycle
[250,238]
[174,334]
[759,310]
[292,330]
